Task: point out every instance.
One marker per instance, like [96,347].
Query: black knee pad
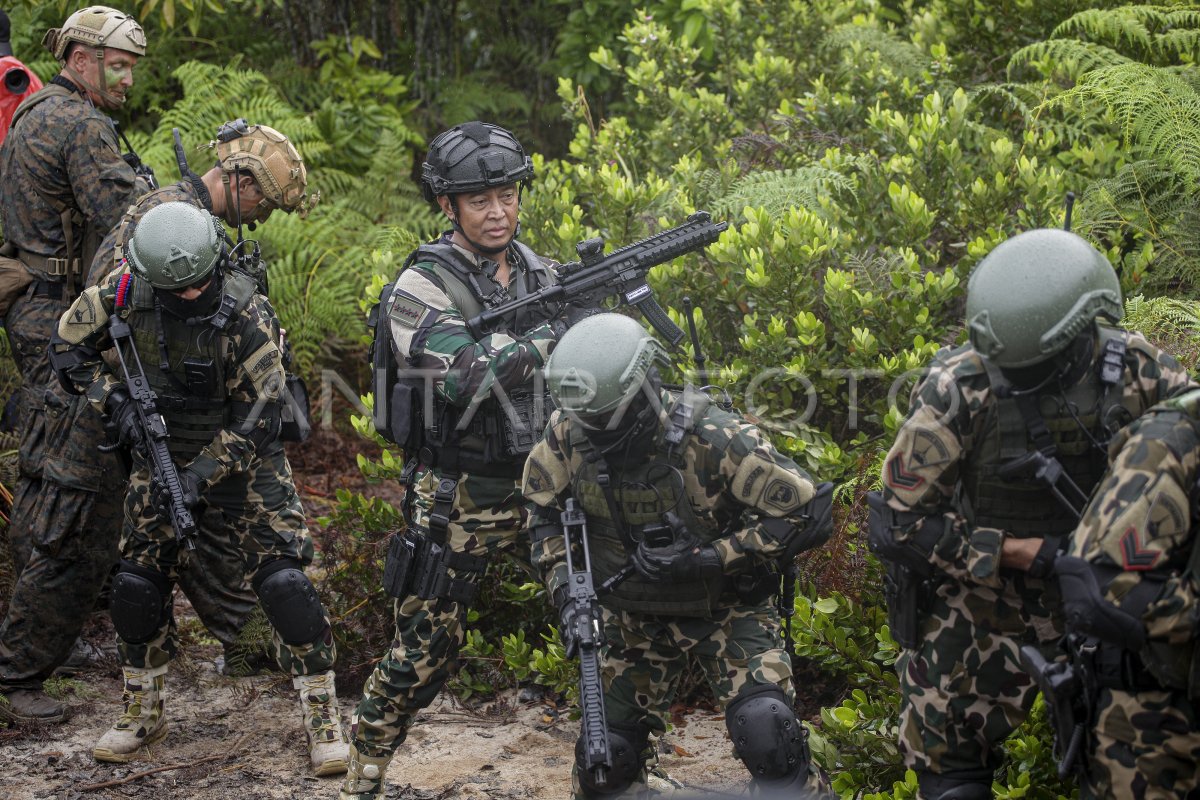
[627,745]
[138,603]
[290,601]
[766,735]
[963,784]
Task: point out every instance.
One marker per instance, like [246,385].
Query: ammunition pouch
[296,414]
[416,565]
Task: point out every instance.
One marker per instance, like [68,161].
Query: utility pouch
[14,278]
[524,418]
[406,417]
[908,597]
[295,415]
[201,376]
[400,565]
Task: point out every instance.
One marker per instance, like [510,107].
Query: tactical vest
[1021,507]
[185,364]
[642,496]
[495,441]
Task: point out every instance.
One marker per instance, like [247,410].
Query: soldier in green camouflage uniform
[210,346]
[1131,586]
[974,513]
[705,510]
[465,489]
[82,489]
[65,184]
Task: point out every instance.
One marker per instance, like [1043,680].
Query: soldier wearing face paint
[209,347]
[1004,441]
[63,185]
[463,495]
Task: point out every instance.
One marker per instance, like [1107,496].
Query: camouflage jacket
[1141,521]
[252,364]
[110,256]
[68,150]
[728,465]
[947,415]
[463,366]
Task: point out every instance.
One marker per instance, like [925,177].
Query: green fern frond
[779,190]
[1065,58]
[901,56]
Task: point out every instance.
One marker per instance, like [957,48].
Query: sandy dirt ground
[241,738]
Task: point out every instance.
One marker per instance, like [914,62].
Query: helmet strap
[487,251]
[101,89]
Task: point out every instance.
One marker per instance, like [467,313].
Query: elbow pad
[811,528]
[66,357]
[1088,612]
[915,553]
[247,422]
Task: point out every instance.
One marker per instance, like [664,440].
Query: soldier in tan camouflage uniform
[696,509]
[63,186]
[1004,441]
[210,348]
[82,489]
[464,495]
[1131,588]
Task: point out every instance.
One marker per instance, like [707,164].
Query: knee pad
[290,602]
[766,735]
[138,602]
[963,784]
[627,745]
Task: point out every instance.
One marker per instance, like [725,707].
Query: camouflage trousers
[265,522]
[644,657]
[963,691]
[29,324]
[1144,746]
[486,519]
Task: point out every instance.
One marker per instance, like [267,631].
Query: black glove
[568,620]
[189,483]
[677,564]
[123,425]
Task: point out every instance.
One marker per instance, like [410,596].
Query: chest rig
[650,502]
[1072,426]
[186,364]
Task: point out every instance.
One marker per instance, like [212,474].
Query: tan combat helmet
[97,27]
[274,162]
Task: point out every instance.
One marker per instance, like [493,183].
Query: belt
[51,289]
[53,267]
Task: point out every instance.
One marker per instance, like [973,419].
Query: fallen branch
[91,787]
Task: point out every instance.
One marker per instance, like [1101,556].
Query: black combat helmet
[473,156]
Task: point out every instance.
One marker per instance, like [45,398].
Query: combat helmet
[473,156]
[1035,293]
[175,245]
[97,27]
[600,364]
[270,158]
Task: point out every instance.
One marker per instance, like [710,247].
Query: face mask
[188,309]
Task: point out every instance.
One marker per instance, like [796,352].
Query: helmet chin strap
[100,90]
[485,249]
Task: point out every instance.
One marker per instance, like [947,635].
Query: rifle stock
[154,433]
[621,273]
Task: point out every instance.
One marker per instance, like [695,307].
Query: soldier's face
[251,201]
[488,217]
[118,74]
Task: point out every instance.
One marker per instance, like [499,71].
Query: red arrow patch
[1136,557]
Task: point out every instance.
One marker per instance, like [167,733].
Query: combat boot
[364,777]
[30,705]
[142,723]
[326,742]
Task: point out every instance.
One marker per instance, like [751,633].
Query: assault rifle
[593,720]
[622,273]
[154,432]
[140,168]
[1061,684]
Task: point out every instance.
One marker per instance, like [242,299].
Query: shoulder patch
[83,318]
[765,485]
[409,311]
[264,364]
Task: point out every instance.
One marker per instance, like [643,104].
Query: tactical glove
[677,565]
[190,486]
[123,425]
[568,620]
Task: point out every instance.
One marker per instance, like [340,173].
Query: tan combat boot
[326,742]
[142,723]
[364,779]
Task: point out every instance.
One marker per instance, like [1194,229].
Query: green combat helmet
[175,245]
[1035,293]
[601,363]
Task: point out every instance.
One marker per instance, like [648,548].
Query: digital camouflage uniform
[64,153]
[487,512]
[726,469]
[1140,534]
[963,689]
[252,488]
[81,499]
